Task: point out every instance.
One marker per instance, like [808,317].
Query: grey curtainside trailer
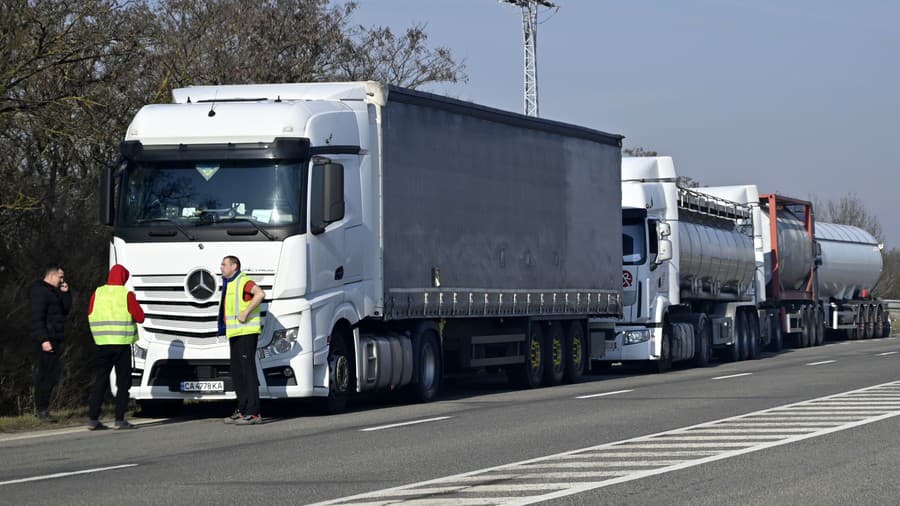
[502,230]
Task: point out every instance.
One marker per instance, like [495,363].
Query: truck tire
[531,373]
[732,353]
[702,346]
[428,370]
[753,333]
[820,327]
[887,325]
[576,352]
[744,332]
[870,322]
[776,339]
[879,321]
[554,355]
[160,408]
[340,376]
[804,327]
[665,360]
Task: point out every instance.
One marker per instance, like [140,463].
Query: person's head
[53,274]
[230,266]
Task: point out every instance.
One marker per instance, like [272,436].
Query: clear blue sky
[799,97]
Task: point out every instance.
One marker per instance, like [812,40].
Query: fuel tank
[851,260]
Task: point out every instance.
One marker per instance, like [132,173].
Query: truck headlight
[283,341]
[635,336]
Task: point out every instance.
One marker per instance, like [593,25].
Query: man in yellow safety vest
[240,322]
[113,315]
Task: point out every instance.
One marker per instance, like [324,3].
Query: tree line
[75,72]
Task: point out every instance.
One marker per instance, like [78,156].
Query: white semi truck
[727,268]
[691,276]
[398,235]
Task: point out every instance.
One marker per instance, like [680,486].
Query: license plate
[202,386]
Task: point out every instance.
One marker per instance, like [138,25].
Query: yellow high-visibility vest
[234,304]
[111,323]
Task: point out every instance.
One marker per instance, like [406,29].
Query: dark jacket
[49,308]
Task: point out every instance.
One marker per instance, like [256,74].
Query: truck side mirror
[664,229]
[327,196]
[665,250]
[107,191]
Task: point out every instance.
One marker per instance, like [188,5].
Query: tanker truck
[399,236]
[691,276]
[851,264]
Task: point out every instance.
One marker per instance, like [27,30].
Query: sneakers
[249,420]
[122,424]
[233,418]
[96,425]
[45,416]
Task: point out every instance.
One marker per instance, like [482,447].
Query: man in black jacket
[50,303]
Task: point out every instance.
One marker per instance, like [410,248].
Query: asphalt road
[298,457]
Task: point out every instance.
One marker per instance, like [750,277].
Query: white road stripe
[599,463]
[822,362]
[63,475]
[661,448]
[733,376]
[750,430]
[886,353]
[403,424]
[604,394]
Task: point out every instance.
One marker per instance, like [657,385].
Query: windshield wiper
[250,221]
[173,222]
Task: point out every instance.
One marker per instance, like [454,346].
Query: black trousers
[46,375]
[243,373]
[106,357]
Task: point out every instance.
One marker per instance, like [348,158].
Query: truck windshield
[634,244]
[189,193]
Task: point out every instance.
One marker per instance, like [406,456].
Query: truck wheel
[860,329]
[776,340]
[870,322]
[820,327]
[804,327]
[340,374]
[879,321]
[665,359]
[733,351]
[160,408]
[744,331]
[753,335]
[887,325]
[576,352]
[555,355]
[702,346]
[530,374]
[428,372]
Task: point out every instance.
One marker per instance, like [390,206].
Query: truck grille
[172,313]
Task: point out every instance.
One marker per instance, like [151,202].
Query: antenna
[529,25]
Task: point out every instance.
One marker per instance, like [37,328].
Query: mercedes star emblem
[201,284]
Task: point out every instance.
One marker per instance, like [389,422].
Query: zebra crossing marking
[582,470]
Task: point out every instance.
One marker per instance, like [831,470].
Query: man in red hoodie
[113,313]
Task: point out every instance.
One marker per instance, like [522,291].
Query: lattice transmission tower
[529,25]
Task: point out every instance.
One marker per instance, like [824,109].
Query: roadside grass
[70,417]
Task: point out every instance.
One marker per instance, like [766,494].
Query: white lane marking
[403,424]
[886,353]
[733,376]
[822,362]
[604,394]
[666,442]
[63,475]
[755,430]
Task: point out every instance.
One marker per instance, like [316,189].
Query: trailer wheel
[747,340]
[702,346]
[860,322]
[733,351]
[804,336]
[886,325]
[753,332]
[530,374]
[776,340]
[879,321]
[820,326]
[427,369]
[576,352]
[555,355]
[870,322]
